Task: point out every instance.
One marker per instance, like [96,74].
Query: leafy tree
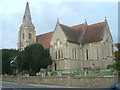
[33,58]
[8,59]
[20,62]
[116,65]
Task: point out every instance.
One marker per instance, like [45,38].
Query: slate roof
[70,33]
[92,33]
[77,26]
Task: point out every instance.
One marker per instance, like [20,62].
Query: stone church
[73,49]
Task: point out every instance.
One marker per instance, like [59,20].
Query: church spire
[27,12]
[27,21]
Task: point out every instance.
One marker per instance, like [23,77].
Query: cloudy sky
[45,14]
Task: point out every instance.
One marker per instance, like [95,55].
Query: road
[19,85]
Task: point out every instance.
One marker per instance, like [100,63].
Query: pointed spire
[27,21]
[27,12]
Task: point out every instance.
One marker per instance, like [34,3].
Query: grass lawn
[96,74]
[89,75]
[100,74]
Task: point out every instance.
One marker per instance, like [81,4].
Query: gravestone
[37,74]
[85,73]
[48,73]
[59,74]
[43,74]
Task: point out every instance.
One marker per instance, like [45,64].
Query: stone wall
[84,82]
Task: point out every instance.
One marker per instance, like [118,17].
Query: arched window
[58,43]
[61,54]
[59,51]
[56,55]
[30,36]
[74,53]
[97,53]
[87,54]
[107,47]
[23,36]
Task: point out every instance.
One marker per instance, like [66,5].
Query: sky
[45,13]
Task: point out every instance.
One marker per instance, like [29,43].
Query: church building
[73,49]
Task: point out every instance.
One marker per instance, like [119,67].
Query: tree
[33,58]
[8,56]
[116,65]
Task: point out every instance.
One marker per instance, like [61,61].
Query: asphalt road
[19,85]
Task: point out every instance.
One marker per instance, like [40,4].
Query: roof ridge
[96,23]
[77,25]
[67,26]
[45,33]
[64,25]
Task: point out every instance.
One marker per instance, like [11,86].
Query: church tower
[27,33]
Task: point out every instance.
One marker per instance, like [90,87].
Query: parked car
[115,86]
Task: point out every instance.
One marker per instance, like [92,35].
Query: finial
[105,19]
[27,4]
[85,22]
[58,20]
